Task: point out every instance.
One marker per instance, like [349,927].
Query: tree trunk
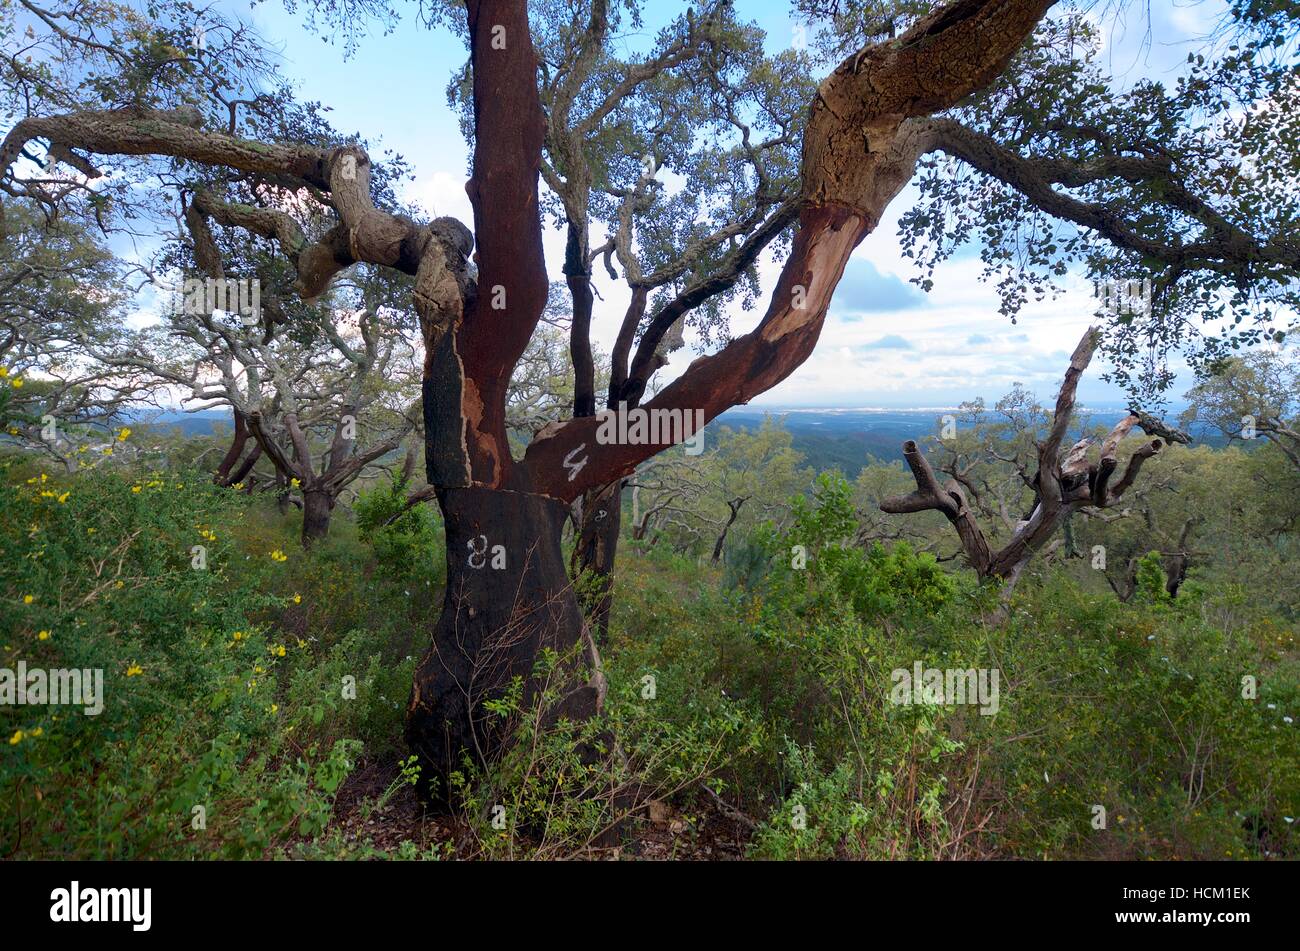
[237,443]
[1009,578]
[734,505]
[317,507]
[1178,562]
[507,597]
[1126,586]
[594,550]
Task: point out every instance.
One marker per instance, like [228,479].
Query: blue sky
[886,343]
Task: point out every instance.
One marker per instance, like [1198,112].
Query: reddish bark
[858,153]
[237,443]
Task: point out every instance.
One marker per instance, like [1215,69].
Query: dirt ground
[659,832]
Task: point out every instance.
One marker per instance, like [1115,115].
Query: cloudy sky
[886,343]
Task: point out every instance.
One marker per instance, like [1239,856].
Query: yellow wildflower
[43,636]
[135,670]
[16,738]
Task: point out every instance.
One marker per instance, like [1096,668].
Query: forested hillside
[745,691]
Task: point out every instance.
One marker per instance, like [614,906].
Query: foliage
[219,692]
[407,541]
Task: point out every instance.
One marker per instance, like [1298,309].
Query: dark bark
[237,443]
[316,510]
[1177,562]
[578,276]
[1126,587]
[595,550]
[245,467]
[734,505]
[507,597]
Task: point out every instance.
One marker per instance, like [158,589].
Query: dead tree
[1066,481]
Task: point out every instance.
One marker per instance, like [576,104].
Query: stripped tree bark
[870,122]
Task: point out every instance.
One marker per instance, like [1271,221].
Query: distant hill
[202,423]
[840,439]
[844,438]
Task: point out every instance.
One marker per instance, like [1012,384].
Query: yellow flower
[277,650]
[135,488]
[135,670]
[238,635]
[3,373]
[278,555]
[122,434]
[43,636]
[18,383]
[294,483]
[27,599]
[16,738]
[64,497]
[273,708]
[38,731]
[91,531]
[297,599]
[107,450]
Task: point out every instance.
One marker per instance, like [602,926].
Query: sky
[885,343]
